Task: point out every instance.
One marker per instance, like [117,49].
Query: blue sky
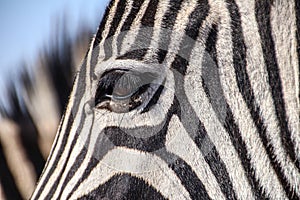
[27,25]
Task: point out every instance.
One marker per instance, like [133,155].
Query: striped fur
[223,124]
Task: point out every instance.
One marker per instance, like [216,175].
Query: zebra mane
[58,60]
[34,92]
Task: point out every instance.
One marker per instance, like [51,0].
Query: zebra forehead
[132,33]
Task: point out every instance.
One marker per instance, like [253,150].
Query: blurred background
[27,26]
[42,44]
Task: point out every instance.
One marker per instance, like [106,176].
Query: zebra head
[174,99]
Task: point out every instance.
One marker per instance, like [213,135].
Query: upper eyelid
[131,65]
[111,70]
[145,77]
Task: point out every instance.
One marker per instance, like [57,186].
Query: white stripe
[127,11]
[283,23]
[104,35]
[143,165]
[178,32]
[161,10]
[88,67]
[108,23]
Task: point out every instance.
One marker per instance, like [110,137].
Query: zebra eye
[121,91]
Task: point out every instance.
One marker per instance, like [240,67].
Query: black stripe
[211,155]
[263,12]
[128,22]
[93,63]
[167,24]
[154,99]
[153,137]
[134,54]
[59,153]
[124,186]
[7,180]
[189,179]
[233,131]
[149,16]
[113,27]
[242,78]
[185,173]
[143,38]
[102,24]
[217,166]
[196,20]
[81,86]
[231,128]
[297,9]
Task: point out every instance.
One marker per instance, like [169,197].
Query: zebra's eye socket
[121,91]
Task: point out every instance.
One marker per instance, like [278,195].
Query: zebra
[180,99]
